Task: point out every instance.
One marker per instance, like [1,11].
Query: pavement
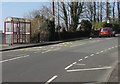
[83,61]
[6,47]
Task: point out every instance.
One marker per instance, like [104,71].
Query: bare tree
[118,7]
[113,11]
[89,11]
[108,10]
[94,11]
[43,11]
[65,15]
[101,11]
[98,11]
[75,11]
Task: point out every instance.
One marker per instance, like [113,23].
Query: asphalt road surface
[90,61]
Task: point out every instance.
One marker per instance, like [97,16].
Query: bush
[114,25]
[99,25]
[70,35]
[86,25]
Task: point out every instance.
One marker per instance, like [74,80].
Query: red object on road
[106,31]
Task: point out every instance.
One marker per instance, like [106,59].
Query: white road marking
[74,62]
[14,58]
[80,64]
[97,53]
[3,61]
[116,46]
[101,51]
[49,50]
[112,47]
[109,48]
[50,80]
[86,57]
[90,69]
[92,55]
[70,65]
[80,59]
[26,56]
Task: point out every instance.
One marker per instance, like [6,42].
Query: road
[88,60]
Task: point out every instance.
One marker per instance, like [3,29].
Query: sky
[19,9]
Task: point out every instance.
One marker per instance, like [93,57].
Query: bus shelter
[17,30]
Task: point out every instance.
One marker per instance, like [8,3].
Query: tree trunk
[113,10]
[65,14]
[118,6]
[94,11]
[101,9]
[107,14]
[98,12]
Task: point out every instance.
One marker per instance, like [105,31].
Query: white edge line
[112,47]
[88,69]
[80,64]
[101,51]
[14,58]
[97,53]
[50,80]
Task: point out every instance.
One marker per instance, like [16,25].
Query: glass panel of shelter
[16,32]
[8,27]
[8,33]
[27,33]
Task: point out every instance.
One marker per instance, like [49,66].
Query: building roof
[17,19]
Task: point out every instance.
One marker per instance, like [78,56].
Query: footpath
[7,47]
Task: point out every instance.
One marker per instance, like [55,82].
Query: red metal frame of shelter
[17,33]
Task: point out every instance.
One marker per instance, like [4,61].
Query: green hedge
[114,25]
